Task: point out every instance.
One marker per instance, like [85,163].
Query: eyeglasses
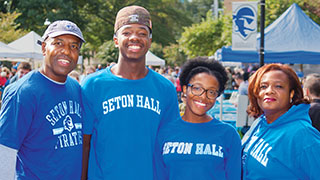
[198,91]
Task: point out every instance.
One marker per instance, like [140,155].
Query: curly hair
[254,87]
[202,64]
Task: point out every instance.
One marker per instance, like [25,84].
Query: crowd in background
[7,76]
[237,77]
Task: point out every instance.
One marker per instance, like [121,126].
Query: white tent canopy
[8,53]
[28,44]
[154,60]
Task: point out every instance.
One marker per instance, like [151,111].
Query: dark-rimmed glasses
[198,91]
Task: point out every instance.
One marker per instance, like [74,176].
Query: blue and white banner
[244,27]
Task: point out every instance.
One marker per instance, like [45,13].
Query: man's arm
[85,156]
[8,157]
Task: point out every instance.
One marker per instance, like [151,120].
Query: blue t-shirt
[288,148]
[123,117]
[42,119]
[204,151]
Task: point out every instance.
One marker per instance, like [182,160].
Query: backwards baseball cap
[62,27]
[132,15]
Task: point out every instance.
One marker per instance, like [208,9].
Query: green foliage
[157,49]
[313,9]
[226,36]
[100,17]
[174,55]
[96,17]
[3,6]
[8,28]
[35,12]
[198,9]
[168,18]
[274,8]
[85,51]
[202,39]
[107,53]
[173,21]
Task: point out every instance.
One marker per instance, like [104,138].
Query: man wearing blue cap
[41,114]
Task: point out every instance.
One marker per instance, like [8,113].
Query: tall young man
[41,115]
[125,105]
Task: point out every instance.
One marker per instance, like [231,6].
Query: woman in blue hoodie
[281,144]
[197,146]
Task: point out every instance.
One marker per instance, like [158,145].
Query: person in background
[196,145]
[167,74]
[311,88]
[126,104]
[99,67]
[23,69]
[3,79]
[41,115]
[229,85]
[14,67]
[89,70]
[4,76]
[242,82]
[176,72]
[75,74]
[281,143]
[178,89]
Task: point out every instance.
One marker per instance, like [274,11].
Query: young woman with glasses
[196,145]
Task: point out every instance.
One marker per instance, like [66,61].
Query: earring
[290,100]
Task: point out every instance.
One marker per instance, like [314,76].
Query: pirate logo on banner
[244,29]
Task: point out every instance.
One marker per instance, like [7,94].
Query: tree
[3,6]
[107,52]
[198,8]
[7,5]
[202,39]
[313,6]
[96,18]
[35,12]
[274,8]
[8,28]
[174,55]
[167,18]
[157,49]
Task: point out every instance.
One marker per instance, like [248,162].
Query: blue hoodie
[288,148]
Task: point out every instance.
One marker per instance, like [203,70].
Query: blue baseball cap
[16,66]
[62,27]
